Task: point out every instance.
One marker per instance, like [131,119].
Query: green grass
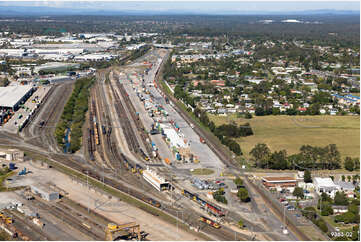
[342,227]
[202,171]
[3,177]
[291,132]
[311,232]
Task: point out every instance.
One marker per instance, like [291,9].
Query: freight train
[210,208]
[134,169]
[151,201]
[145,157]
[210,222]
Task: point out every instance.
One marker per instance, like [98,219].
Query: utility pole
[87,184]
[177,225]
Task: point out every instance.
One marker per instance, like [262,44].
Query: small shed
[45,192]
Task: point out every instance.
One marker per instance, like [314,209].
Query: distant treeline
[345,29]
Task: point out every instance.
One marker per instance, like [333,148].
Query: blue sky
[221,6]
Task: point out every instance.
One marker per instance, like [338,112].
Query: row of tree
[242,193]
[73,115]
[309,157]
[226,132]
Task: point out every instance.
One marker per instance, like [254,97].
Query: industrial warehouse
[12,96]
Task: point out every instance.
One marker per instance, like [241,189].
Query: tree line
[73,115]
[309,157]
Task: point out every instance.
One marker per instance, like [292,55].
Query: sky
[221,6]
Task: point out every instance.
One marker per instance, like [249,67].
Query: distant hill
[6,11]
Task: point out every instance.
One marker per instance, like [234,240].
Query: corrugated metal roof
[10,95]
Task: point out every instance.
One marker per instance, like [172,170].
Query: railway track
[70,219]
[45,131]
[134,116]
[190,216]
[125,123]
[27,227]
[26,130]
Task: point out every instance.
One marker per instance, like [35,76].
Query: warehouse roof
[43,188]
[324,182]
[279,179]
[11,95]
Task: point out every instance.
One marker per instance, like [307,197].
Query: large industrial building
[12,96]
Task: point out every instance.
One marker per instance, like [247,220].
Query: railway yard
[133,172]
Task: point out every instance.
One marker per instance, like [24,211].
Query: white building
[155,180]
[325,185]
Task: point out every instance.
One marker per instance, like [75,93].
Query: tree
[298,192]
[248,115]
[307,176]
[260,154]
[259,111]
[349,164]
[212,126]
[238,181]
[240,223]
[340,199]
[322,225]
[355,232]
[325,207]
[343,177]
[357,163]
[243,194]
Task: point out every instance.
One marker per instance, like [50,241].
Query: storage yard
[135,142]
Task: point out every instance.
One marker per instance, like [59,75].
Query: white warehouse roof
[11,95]
[174,138]
[324,182]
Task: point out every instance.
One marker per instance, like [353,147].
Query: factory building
[155,180]
[283,182]
[56,66]
[12,96]
[45,192]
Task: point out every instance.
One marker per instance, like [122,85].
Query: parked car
[290,208]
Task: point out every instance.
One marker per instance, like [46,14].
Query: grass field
[202,171]
[291,132]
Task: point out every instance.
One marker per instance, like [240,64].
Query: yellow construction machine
[128,230]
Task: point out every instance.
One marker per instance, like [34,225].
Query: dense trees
[226,132]
[310,157]
[219,196]
[307,176]
[231,130]
[298,192]
[351,164]
[73,115]
[243,195]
